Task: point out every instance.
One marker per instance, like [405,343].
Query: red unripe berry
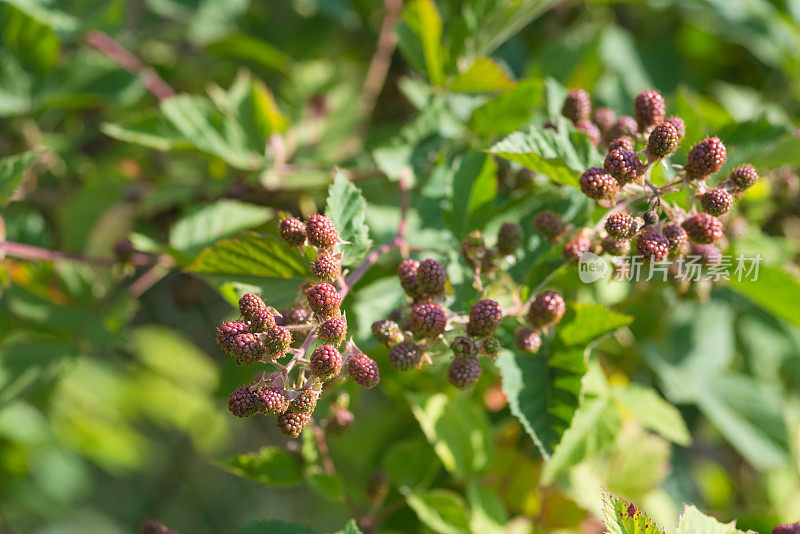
[244,403]
[616,247]
[325,362]
[305,402]
[703,228]
[676,236]
[273,400]
[577,106]
[509,238]
[363,370]
[529,341]
[663,140]
[705,158]
[321,232]
[743,177]
[227,332]
[247,349]
[407,272]
[464,372]
[716,201]
[326,267]
[431,276]
[624,127]
[262,320]
[249,304]
[604,118]
[597,184]
[323,299]
[292,423]
[293,231]
[575,247]
[652,246]
[650,109]
[333,330]
[546,309]
[590,129]
[277,341]
[621,143]
[679,126]
[621,225]
[428,319]
[549,224]
[624,165]
[484,318]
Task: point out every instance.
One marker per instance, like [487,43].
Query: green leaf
[12,171]
[509,111]
[423,18]
[251,255]
[347,208]
[488,513]
[275,526]
[350,528]
[441,510]
[24,368]
[458,430]
[474,186]
[654,413]
[585,322]
[410,464]
[204,225]
[623,517]
[270,466]
[561,154]
[329,487]
[692,521]
[774,289]
[483,76]
[761,143]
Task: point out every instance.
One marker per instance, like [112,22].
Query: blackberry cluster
[300,371]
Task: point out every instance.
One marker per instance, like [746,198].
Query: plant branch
[30,252]
[381,59]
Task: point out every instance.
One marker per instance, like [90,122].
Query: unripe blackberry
[155,527]
[363,370]
[407,272]
[575,247]
[473,247]
[703,228]
[794,528]
[332,331]
[326,267]
[431,276]
[492,346]
[604,118]
[663,141]
[464,372]
[323,299]
[249,304]
[652,246]
[679,125]
[292,423]
[305,402]
[387,332]
[546,309]
[262,320]
[462,347]
[321,232]
[549,224]
[528,340]
[716,201]
[705,158]
[621,225]
[325,362]
[227,332]
[743,177]
[577,106]
[340,419]
[676,236]
[296,315]
[428,319]
[277,341]
[509,238]
[706,254]
[624,165]
[405,355]
[616,247]
[621,143]
[244,403]
[597,184]
[293,231]
[273,400]
[590,129]
[624,127]
[650,217]
[649,108]
[247,349]
[484,318]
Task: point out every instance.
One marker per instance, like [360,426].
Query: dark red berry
[794,528]
[716,201]
[676,236]
[705,158]
[703,228]
[590,129]
[323,299]
[549,224]
[155,527]
[363,370]
[546,309]
[292,423]
[462,347]
[616,247]
[652,246]
[431,276]
[387,332]
[577,106]
[663,141]
[326,267]
[293,231]
[509,238]
[340,419]
[247,349]
[464,372]
[484,318]
[621,225]
[227,332]
[597,184]
[623,165]
[325,362]
[428,319]
[262,320]
[244,403]
[277,341]
[743,177]
[679,125]
[650,109]
[604,118]
[621,143]
[249,304]
[706,254]
[305,402]
[407,272]
[577,246]
[624,127]
[332,331]
[528,340]
[321,232]
[405,355]
[273,400]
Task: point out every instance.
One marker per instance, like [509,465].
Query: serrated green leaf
[270,466]
[204,225]
[692,521]
[474,186]
[623,517]
[275,526]
[12,170]
[560,153]
[483,76]
[347,208]
[509,111]
[585,322]
[252,256]
[443,511]
[774,290]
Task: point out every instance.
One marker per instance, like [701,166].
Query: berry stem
[30,252]
[381,59]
